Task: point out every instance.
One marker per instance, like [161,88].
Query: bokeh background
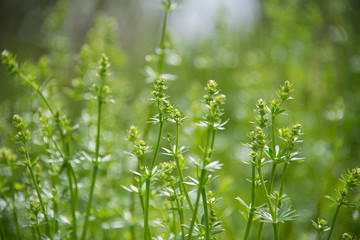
[249,47]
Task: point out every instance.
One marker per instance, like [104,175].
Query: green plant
[102,92]
[22,138]
[278,208]
[76,158]
[350,182]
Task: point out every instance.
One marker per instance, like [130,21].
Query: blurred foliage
[313,44]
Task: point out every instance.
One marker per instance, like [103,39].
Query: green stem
[96,161]
[72,200]
[182,186]
[12,189]
[196,206]
[174,219]
[181,214]
[157,145]
[283,179]
[268,201]
[140,166]
[201,182]
[37,188]
[273,170]
[206,214]
[88,207]
[334,219]
[162,41]
[160,67]
[147,232]
[252,205]
[37,229]
[146,212]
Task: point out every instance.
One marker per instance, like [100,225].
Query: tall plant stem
[160,68]
[147,233]
[42,205]
[273,169]
[66,149]
[181,214]
[201,185]
[334,219]
[252,205]
[182,186]
[203,192]
[283,179]
[270,206]
[206,214]
[146,211]
[173,219]
[12,189]
[162,41]
[95,162]
[132,198]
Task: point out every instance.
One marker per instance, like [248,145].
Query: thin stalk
[37,229]
[268,201]
[333,220]
[203,193]
[37,188]
[196,206]
[146,211]
[160,68]
[96,162]
[206,214]
[273,170]
[181,214]
[53,185]
[201,184]
[72,200]
[182,186]
[283,179]
[12,189]
[252,205]
[148,180]
[162,41]
[174,219]
[140,166]
[132,200]
[157,145]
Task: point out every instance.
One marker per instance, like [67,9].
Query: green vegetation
[101,144]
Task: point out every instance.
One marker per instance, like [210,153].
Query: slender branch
[333,220]
[201,183]
[96,161]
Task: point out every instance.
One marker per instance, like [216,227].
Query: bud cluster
[213,100]
[23,135]
[140,146]
[257,141]
[291,136]
[9,60]
[104,66]
[261,109]
[283,94]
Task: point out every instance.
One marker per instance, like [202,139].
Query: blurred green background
[248,47]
